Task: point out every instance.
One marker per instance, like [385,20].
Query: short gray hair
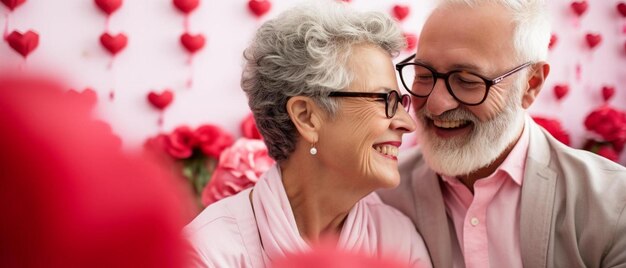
[305,52]
[532,25]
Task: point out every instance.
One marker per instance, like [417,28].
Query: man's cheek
[418,103]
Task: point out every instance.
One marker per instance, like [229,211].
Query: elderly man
[488,187]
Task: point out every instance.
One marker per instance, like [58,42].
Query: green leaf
[188,172]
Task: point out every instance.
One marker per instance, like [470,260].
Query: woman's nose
[402,120]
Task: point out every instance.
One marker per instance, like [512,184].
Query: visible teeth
[449,124]
[387,149]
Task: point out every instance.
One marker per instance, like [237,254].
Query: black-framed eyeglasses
[391,99]
[466,87]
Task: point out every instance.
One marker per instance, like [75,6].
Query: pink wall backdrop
[154,59]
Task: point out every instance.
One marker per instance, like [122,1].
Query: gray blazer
[572,208]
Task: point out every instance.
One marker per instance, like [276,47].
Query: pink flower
[212,140]
[553,127]
[181,142]
[249,129]
[239,167]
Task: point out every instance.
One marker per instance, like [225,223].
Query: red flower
[249,129]
[610,124]
[609,153]
[554,127]
[181,142]
[213,140]
[239,168]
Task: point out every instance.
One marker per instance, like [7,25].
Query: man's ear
[536,81]
[306,116]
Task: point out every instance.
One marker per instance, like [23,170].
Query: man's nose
[440,100]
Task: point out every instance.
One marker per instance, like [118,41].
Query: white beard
[458,156]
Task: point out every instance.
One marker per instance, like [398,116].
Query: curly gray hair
[305,52]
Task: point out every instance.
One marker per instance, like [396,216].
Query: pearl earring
[313,150]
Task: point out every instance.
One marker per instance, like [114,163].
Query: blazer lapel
[537,204]
[431,212]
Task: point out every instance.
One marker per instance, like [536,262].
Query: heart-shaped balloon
[579,7]
[400,12]
[561,91]
[108,6]
[553,41]
[12,4]
[621,8]
[114,44]
[192,43]
[161,100]
[186,6]
[593,39]
[608,92]
[23,43]
[411,41]
[259,7]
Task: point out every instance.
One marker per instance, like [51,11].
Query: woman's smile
[388,149]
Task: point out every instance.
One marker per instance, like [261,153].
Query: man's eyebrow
[456,66]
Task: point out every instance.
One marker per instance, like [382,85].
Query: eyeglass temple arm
[407,59]
[500,78]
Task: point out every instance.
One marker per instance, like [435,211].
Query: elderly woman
[322,88]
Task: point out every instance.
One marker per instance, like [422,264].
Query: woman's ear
[536,81]
[306,116]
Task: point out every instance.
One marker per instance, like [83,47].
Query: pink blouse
[227,233]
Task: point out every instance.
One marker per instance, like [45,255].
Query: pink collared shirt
[487,223]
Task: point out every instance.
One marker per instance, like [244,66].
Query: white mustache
[460,114]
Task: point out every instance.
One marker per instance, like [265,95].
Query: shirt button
[474,221]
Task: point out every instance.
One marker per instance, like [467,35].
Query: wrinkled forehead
[456,34]
[372,69]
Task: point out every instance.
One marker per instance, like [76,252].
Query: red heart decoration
[161,100]
[259,7]
[579,7]
[621,8]
[108,6]
[186,6]
[12,4]
[401,11]
[593,40]
[560,91]
[23,43]
[192,43]
[553,40]
[114,44]
[411,41]
[88,96]
[608,92]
